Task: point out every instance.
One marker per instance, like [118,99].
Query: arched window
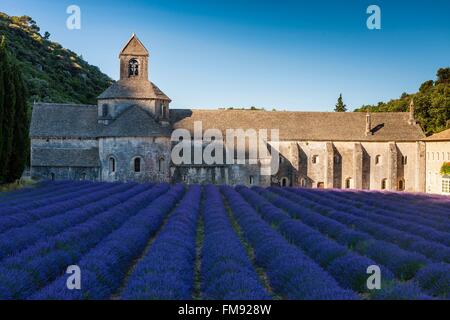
[161,164]
[112,165]
[315,159]
[133,68]
[348,183]
[377,159]
[383,184]
[320,185]
[163,110]
[251,180]
[302,182]
[105,110]
[401,184]
[137,164]
[284,182]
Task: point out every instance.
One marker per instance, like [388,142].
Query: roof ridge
[285,111]
[54,104]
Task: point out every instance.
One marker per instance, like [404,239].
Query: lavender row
[44,201]
[432,250]
[413,215]
[425,232]
[12,241]
[38,190]
[167,270]
[347,267]
[376,249]
[24,274]
[73,200]
[56,195]
[226,270]
[291,273]
[105,266]
[429,280]
[403,201]
[403,263]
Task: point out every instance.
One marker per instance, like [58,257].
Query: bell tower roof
[134,47]
[133,83]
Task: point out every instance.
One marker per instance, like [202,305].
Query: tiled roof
[133,89]
[134,122]
[441,136]
[80,121]
[64,120]
[319,126]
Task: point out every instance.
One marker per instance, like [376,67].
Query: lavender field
[161,241]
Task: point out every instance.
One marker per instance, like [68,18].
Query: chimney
[368,124]
[411,120]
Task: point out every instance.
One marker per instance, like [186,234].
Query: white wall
[437,152]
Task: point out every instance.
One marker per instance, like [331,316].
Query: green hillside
[51,72]
[432,103]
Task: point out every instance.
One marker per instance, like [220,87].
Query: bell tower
[133,88]
[134,60]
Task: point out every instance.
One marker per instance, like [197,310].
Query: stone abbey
[127,137]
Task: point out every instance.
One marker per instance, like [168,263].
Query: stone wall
[302,163]
[365,165]
[65,173]
[125,150]
[437,152]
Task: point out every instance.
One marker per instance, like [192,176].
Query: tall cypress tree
[13,118]
[20,146]
[2,99]
[8,112]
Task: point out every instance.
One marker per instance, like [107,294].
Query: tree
[340,106]
[46,35]
[426,86]
[9,101]
[2,99]
[443,76]
[13,118]
[20,146]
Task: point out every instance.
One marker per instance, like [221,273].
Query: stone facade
[127,137]
[437,152]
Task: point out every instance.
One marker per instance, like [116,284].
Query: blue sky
[291,55]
